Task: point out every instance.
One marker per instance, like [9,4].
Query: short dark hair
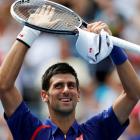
[58,68]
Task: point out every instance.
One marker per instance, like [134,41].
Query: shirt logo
[80,137]
[90,50]
[21,35]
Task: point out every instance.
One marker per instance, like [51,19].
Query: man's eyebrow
[61,82]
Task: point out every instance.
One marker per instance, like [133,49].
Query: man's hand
[43,17]
[94,43]
[96,27]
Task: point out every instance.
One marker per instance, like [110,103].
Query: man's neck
[63,122]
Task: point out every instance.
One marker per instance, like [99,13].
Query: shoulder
[100,117]
[23,123]
[104,124]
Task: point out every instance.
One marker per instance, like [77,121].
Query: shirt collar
[75,126]
[53,126]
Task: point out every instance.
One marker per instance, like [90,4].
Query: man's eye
[59,85]
[72,85]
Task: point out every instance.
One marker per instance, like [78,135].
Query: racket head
[22,9]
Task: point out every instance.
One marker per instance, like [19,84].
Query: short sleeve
[105,125]
[22,123]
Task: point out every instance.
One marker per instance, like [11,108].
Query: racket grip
[84,23]
[125,44]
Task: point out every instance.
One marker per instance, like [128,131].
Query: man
[60,90]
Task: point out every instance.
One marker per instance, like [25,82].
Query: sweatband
[28,36]
[118,55]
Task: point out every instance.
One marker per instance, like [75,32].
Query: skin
[62,99]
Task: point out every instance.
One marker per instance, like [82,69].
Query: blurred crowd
[100,84]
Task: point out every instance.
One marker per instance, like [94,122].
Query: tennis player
[60,90]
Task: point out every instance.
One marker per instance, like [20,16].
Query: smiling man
[60,90]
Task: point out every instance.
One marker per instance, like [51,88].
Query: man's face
[63,93]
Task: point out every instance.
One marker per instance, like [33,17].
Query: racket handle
[125,44]
[84,23]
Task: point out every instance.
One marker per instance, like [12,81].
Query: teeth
[65,100]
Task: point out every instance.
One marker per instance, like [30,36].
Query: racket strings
[67,20]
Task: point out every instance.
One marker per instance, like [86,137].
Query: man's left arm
[131,84]
[127,100]
[125,103]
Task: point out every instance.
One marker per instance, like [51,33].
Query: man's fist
[94,47]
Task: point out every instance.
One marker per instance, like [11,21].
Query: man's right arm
[9,95]
[9,70]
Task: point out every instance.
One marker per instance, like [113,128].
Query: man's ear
[44,96]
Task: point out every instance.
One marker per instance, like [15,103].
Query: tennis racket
[69,20]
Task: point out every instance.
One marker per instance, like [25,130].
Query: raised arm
[9,95]
[131,84]
[130,81]
[9,70]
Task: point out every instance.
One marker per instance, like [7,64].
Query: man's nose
[66,89]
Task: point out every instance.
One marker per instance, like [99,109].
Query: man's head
[60,88]
[58,68]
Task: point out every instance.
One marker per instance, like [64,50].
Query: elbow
[134,96]
[4,85]
[3,88]
[133,91]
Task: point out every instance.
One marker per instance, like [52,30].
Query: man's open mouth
[65,99]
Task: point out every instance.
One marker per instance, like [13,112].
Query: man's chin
[65,111]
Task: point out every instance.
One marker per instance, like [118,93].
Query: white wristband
[28,36]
